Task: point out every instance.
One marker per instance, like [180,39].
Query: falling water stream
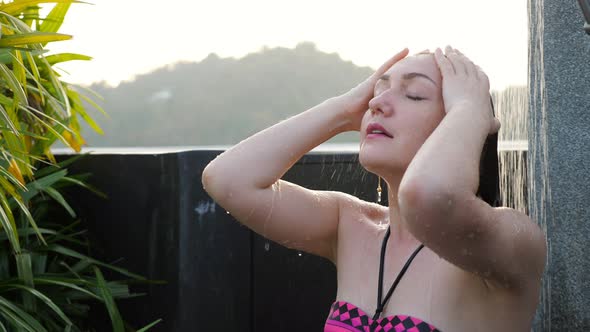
[511,107]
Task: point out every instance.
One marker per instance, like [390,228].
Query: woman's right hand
[357,99]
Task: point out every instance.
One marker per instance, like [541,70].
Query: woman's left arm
[437,195]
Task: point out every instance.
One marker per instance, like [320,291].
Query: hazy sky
[129,37]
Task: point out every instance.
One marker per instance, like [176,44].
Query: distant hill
[220,101]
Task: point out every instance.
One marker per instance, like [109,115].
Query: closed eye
[415,98]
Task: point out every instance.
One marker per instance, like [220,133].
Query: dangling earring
[379,191]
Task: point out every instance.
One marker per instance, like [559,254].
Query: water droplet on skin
[267,246]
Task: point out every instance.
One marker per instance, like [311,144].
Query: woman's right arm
[245,180]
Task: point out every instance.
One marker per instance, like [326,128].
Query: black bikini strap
[381,304]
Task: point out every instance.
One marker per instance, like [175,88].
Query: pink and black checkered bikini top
[346,317]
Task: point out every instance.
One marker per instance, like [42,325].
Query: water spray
[585,4]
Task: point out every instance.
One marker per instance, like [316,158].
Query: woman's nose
[381,103]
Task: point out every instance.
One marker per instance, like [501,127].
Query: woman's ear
[495,126]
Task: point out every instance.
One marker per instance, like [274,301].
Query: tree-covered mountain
[220,101]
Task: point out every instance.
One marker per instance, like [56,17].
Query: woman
[473,267]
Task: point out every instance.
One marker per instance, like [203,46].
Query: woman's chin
[378,163]
[374,164]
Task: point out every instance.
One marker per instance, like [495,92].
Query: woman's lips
[375,130]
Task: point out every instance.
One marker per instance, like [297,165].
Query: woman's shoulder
[357,210]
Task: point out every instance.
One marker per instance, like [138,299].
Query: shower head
[585,4]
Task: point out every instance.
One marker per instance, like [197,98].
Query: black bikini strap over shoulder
[381,304]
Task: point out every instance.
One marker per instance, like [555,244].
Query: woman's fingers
[445,65]
[467,64]
[483,77]
[462,79]
[384,67]
[459,61]
[472,68]
[359,96]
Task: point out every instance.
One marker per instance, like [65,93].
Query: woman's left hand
[465,86]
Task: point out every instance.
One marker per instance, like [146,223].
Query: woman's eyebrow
[384,77]
[410,76]
[407,77]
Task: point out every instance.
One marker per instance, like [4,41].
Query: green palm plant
[45,282]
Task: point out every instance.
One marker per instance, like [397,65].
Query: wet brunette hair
[489,175]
